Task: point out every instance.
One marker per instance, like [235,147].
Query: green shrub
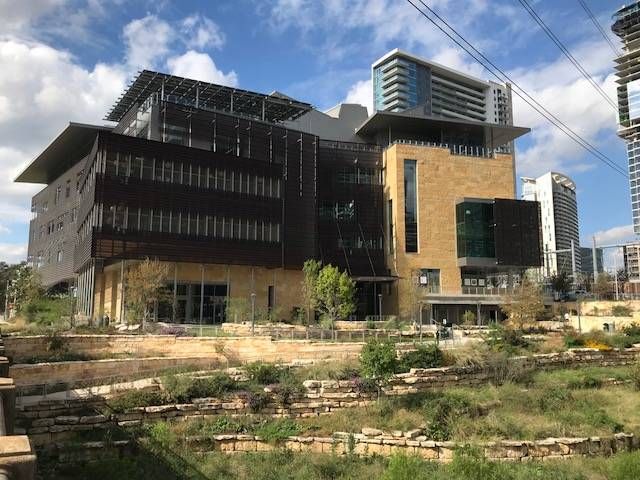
[585,382]
[424,356]
[442,411]
[403,467]
[501,339]
[277,430]
[632,330]
[137,398]
[621,311]
[257,400]
[263,373]
[217,425]
[288,389]
[554,399]
[624,466]
[183,389]
[370,324]
[502,369]
[378,359]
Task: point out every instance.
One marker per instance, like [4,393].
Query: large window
[410,206]
[475,230]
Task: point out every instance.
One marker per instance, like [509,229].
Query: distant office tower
[559,219]
[632,260]
[627,26]
[586,259]
[402,81]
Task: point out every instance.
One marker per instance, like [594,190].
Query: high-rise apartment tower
[559,220]
[402,82]
[626,25]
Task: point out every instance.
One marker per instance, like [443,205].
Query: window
[58,194]
[59,257]
[429,278]
[67,191]
[410,207]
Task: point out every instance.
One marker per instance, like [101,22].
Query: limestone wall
[79,373]
[48,420]
[20,348]
[407,443]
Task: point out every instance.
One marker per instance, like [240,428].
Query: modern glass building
[626,25]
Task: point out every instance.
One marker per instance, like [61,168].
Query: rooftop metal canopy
[415,123]
[274,107]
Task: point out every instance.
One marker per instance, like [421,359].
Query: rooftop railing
[463,150]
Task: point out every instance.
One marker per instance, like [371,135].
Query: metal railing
[454,149]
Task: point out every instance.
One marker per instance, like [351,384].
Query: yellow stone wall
[442,179]
[243,280]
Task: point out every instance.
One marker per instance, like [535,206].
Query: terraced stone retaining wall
[406,443]
[47,420]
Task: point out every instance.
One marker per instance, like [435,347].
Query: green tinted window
[475,229]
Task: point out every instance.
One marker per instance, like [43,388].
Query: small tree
[468,318]
[238,309]
[311,270]
[378,361]
[413,289]
[602,286]
[335,293]
[25,287]
[524,305]
[561,283]
[146,285]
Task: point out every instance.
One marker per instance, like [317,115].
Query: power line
[520,92]
[595,21]
[566,52]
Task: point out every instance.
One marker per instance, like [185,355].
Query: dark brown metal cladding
[275,153]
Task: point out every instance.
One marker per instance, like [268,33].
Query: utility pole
[595,260]
[615,273]
[573,261]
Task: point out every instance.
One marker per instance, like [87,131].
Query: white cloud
[571,98]
[620,234]
[200,66]
[201,32]
[362,93]
[13,252]
[147,39]
[43,88]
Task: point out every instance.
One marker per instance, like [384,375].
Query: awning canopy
[394,125]
[68,148]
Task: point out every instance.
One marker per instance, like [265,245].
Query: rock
[91,419]
[67,420]
[371,432]
[413,433]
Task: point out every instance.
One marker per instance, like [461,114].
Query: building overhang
[69,147]
[418,123]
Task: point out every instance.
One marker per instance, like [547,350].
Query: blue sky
[67,60]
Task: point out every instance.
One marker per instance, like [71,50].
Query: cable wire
[520,92]
[527,6]
[595,21]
